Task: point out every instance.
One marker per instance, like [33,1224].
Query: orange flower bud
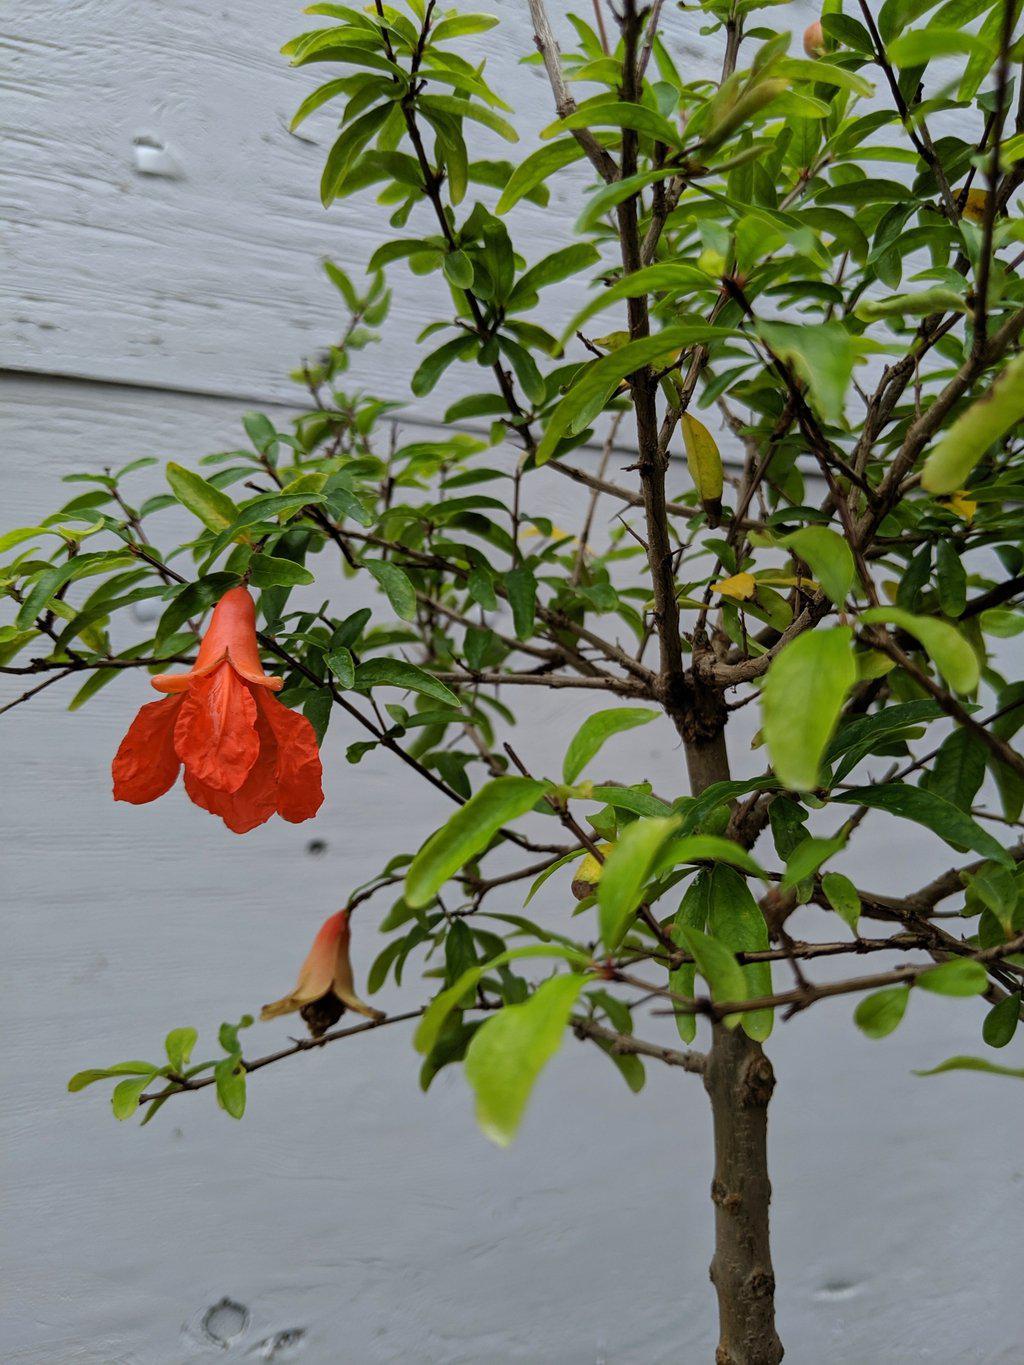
[814,40]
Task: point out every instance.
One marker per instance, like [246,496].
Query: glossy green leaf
[399,673]
[211,505]
[397,586]
[949,651]
[926,808]
[596,730]
[822,355]
[827,555]
[178,1045]
[510,1050]
[626,872]
[439,1009]
[269,571]
[803,694]
[880,1013]
[718,967]
[468,833]
[843,897]
[973,1064]
[986,421]
[958,976]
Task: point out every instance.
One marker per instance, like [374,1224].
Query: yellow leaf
[705,465]
[961,505]
[789,581]
[974,208]
[741,586]
[588,874]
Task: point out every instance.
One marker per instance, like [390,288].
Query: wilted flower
[325,988]
[245,754]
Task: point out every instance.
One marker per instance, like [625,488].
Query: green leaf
[521,587]
[536,169]
[952,825]
[986,421]
[802,698]
[613,193]
[692,914]
[510,1050]
[268,571]
[950,579]
[54,578]
[560,265]
[125,1099]
[808,856]
[949,651]
[433,367]
[458,269]
[880,1013]
[595,730]
[735,919]
[973,1064]
[459,25]
[397,587]
[718,967]
[399,673]
[628,798]
[342,665]
[441,1006]
[618,114]
[958,976]
[260,429]
[822,355]
[626,872]
[843,897]
[958,769]
[700,848]
[918,46]
[829,557]
[230,1078]
[212,506]
[664,278]
[345,151]
[179,1044]
[93,1074]
[468,833]
[597,381]
[1001,1021]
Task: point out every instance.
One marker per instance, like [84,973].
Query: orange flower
[245,755]
[325,987]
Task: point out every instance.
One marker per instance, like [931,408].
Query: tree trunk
[739,1080]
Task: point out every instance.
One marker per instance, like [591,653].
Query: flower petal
[231,635]
[256,799]
[300,792]
[215,734]
[146,765]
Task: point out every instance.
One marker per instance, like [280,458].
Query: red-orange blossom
[245,754]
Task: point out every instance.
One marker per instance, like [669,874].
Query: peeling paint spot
[225,1322]
[281,1345]
[152,157]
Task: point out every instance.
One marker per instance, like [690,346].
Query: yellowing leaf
[960,505]
[704,462]
[740,586]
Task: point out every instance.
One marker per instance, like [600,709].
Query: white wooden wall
[373,1224]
